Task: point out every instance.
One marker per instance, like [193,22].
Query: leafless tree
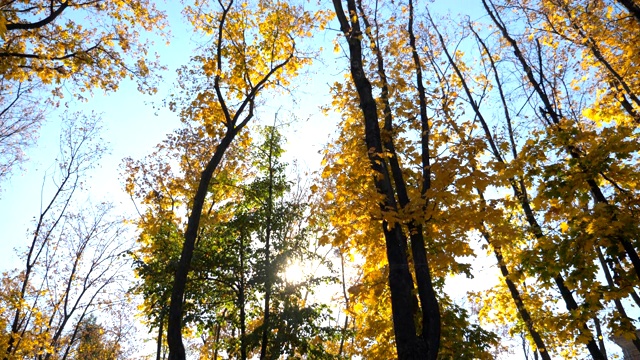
[20,119]
[73,263]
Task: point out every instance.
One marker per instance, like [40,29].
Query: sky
[133,126]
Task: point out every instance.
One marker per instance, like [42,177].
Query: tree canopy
[507,136]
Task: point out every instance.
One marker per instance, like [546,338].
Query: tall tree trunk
[517,299]
[431,326]
[428,300]
[235,121]
[242,302]
[267,250]
[408,344]
[515,294]
[174,330]
[518,187]
[267,256]
[572,306]
[217,339]
[343,333]
[159,339]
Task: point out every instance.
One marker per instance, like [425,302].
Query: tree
[400,280]
[73,264]
[513,136]
[576,180]
[271,223]
[50,46]
[243,61]
[238,300]
[535,178]
[415,188]
[165,191]
[93,343]
[19,121]
[551,193]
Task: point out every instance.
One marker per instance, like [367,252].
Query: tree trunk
[428,300]
[408,344]
[267,261]
[242,303]
[159,339]
[174,329]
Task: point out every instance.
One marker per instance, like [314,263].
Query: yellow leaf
[564,227]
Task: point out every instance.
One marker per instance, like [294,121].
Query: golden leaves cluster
[86,44]
[551,158]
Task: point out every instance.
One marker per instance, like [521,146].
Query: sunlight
[294,273]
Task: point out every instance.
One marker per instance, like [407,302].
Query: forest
[490,149]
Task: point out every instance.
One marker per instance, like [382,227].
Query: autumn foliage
[508,137]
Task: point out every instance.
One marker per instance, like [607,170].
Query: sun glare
[294,273]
